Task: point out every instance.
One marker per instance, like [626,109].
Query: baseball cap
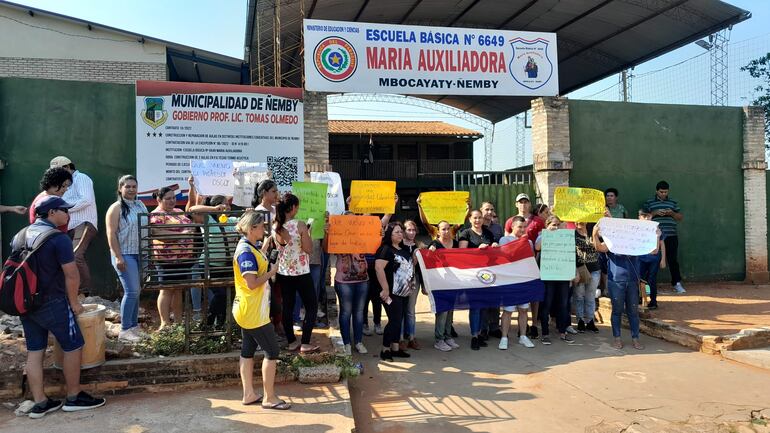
[60,161]
[49,203]
[522,196]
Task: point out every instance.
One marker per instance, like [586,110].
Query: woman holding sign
[394,269]
[292,238]
[556,294]
[443,329]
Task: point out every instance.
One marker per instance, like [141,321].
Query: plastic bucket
[91,323]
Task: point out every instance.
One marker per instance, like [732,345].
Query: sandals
[618,344]
[281,405]
[257,401]
[311,349]
[638,345]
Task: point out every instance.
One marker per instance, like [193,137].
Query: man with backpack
[55,307]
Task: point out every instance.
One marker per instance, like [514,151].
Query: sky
[219,26]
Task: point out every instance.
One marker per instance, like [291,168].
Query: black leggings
[395,312]
[556,303]
[303,284]
[374,296]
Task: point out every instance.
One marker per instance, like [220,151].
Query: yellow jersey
[251,307]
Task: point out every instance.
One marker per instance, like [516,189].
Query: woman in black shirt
[394,269]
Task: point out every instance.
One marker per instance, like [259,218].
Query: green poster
[557,255]
[312,204]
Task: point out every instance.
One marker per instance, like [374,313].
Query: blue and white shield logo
[531,64]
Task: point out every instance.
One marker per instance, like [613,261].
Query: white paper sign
[386,58]
[213,177]
[248,176]
[335,200]
[629,237]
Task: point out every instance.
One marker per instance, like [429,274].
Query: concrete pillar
[550,145]
[755,195]
[316,132]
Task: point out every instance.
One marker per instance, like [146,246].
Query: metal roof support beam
[583,15]
[173,53]
[361,11]
[517,13]
[457,18]
[409,12]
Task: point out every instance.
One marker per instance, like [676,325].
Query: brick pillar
[316,132]
[550,145]
[755,194]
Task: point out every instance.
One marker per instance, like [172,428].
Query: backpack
[19,291]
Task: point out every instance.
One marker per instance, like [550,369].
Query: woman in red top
[55,181]
[538,221]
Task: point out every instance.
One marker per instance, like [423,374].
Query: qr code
[283,168]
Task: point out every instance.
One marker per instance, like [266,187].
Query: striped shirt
[667,224]
[128,227]
[81,196]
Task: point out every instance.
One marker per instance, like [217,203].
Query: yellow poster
[449,206]
[578,204]
[373,196]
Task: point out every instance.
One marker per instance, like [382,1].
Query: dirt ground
[716,308]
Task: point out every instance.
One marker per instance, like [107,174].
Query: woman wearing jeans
[443,329]
[351,283]
[394,272]
[122,222]
[588,279]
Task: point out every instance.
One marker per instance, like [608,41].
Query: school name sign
[366,58]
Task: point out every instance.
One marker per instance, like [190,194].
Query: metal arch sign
[418,60]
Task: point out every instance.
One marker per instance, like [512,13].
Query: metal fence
[198,254]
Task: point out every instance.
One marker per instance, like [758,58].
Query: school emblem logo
[153,113]
[486,276]
[530,64]
[335,59]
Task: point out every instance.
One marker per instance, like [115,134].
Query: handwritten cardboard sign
[373,196]
[248,176]
[578,204]
[335,199]
[449,206]
[213,176]
[557,255]
[629,237]
[354,234]
[312,204]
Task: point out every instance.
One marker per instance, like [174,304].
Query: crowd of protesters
[279,273]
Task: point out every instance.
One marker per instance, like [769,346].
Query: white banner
[180,122]
[335,199]
[247,176]
[384,58]
[213,177]
[629,237]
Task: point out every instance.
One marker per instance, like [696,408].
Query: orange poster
[354,234]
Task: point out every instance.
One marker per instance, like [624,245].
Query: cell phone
[273,256]
[387,301]
[310,221]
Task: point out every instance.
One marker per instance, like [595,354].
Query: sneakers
[378,329]
[130,335]
[526,342]
[591,326]
[442,346]
[679,288]
[360,348]
[581,326]
[451,343]
[39,410]
[83,401]
[475,343]
[566,338]
[652,306]
[386,355]
[367,330]
[545,340]
[503,344]
[297,326]
[347,350]
[571,330]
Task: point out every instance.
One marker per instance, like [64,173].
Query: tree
[760,68]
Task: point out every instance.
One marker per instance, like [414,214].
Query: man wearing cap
[58,281]
[525,211]
[83,217]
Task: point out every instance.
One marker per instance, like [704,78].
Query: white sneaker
[503,344]
[129,336]
[571,330]
[360,348]
[451,343]
[378,329]
[442,346]
[679,288]
[368,330]
[347,350]
[526,342]
[297,327]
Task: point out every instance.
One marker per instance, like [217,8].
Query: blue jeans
[648,271]
[625,296]
[443,328]
[315,274]
[585,297]
[352,297]
[129,305]
[474,318]
[410,315]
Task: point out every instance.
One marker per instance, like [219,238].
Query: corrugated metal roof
[596,38]
[387,127]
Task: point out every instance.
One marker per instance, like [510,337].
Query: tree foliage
[760,69]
